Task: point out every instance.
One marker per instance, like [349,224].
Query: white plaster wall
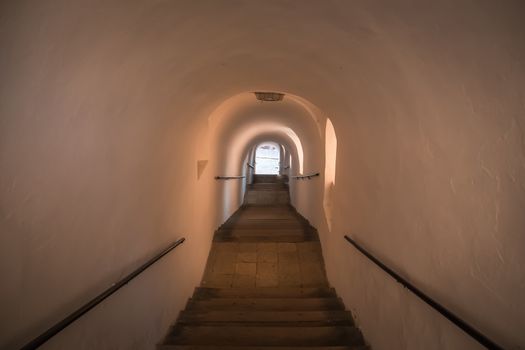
[96,176]
[432,181]
[104,110]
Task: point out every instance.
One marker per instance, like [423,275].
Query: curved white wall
[105,110]
[241,122]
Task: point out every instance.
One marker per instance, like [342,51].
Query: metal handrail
[474,333]
[305,177]
[58,327]
[229,177]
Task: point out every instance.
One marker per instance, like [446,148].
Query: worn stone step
[278,209]
[255,218]
[262,178]
[266,231]
[266,304]
[270,292]
[267,318]
[269,233]
[255,239]
[289,217]
[264,336]
[276,219]
[267,215]
[214,347]
[264,188]
[285,224]
[267,197]
[268,186]
[260,192]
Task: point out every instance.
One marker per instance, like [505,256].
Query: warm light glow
[329,170]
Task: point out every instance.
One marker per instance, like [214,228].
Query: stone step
[214,347]
[268,185]
[266,318]
[265,226]
[265,221]
[255,239]
[266,304]
[258,178]
[268,188]
[271,233]
[265,191]
[269,292]
[268,213]
[277,238]
[261,212]
[288,208]
[265,231]
[264,336]
[271,190]
[280,219]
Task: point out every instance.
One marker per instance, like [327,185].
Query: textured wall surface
[109,131]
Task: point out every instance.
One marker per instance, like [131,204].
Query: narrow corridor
[145,148]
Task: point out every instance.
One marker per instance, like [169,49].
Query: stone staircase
[265,287]
[277,223]
[268,190]
[264,318]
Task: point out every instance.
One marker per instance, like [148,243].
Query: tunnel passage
[117,115]
[242,123]
[265,283]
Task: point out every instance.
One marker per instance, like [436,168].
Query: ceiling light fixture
[269,96]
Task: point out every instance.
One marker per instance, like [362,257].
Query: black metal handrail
[58,327]
[474,333]
[229,177]
[305,177]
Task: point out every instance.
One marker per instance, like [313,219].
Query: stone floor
[265,264]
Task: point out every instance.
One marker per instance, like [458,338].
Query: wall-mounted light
[269,96]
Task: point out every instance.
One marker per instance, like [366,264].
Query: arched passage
[241,122]
[426,101]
